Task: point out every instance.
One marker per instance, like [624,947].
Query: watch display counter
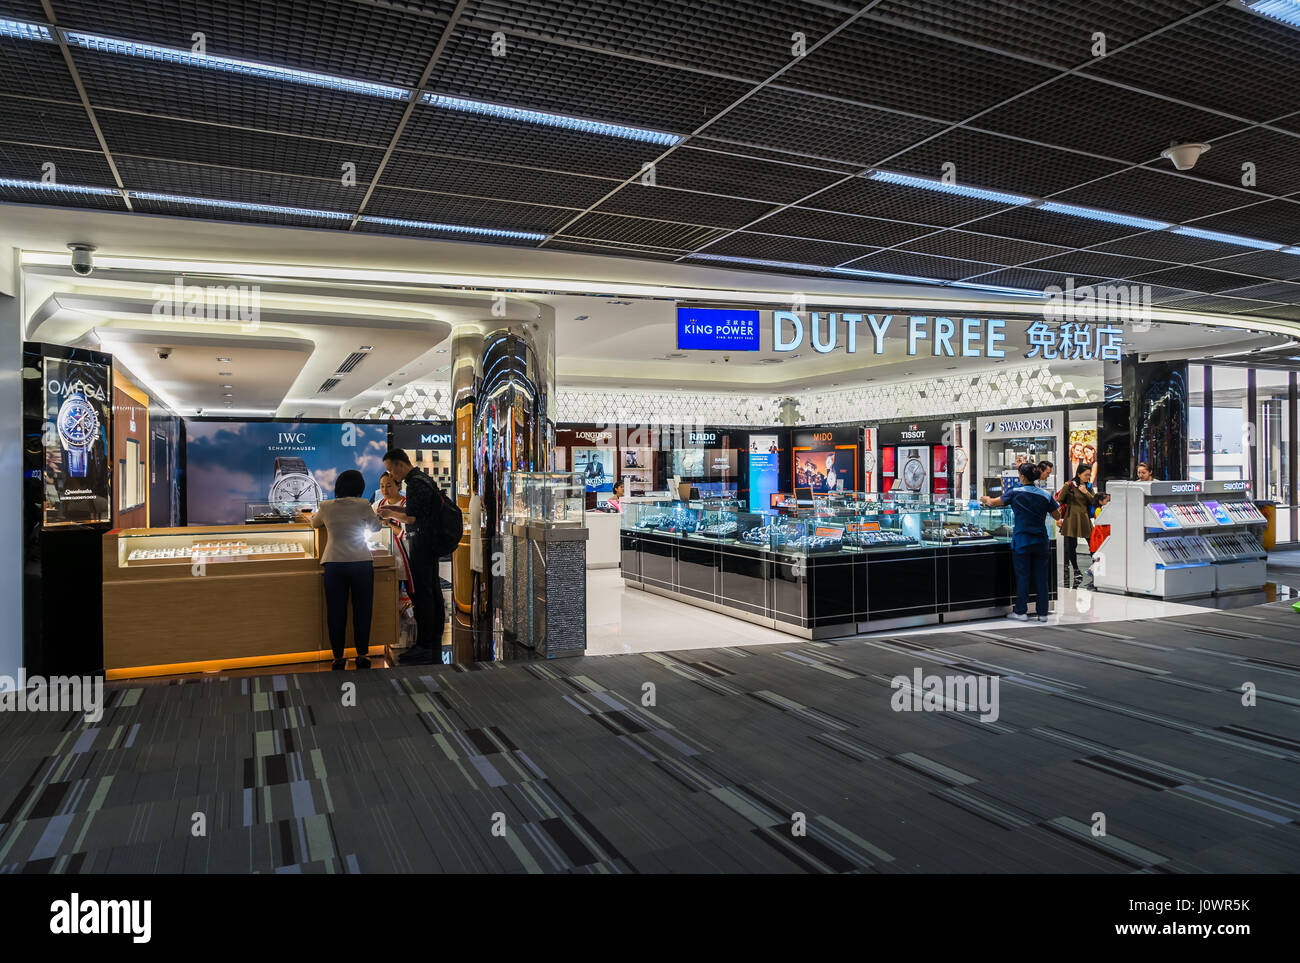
[211,598]
[1181,539]
[825,571]
[543,574]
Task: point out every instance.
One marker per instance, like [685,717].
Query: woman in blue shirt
[1030,546]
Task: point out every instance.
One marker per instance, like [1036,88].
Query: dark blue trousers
[1030,562]
[341,580]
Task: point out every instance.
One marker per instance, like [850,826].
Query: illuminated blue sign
[717,329]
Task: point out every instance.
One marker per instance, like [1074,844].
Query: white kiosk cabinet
[1180,539]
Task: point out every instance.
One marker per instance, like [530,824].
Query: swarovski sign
[1018,427]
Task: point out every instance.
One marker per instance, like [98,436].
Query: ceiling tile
[466,211]
[795,250]
[702,170]
[861,195]
[443,175]
[981,247]
[641,230]
[801,222]
[1148,193]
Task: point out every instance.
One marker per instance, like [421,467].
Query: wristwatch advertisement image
[915,473]
[960,459]
[76,477]
[293,485]
[78,427]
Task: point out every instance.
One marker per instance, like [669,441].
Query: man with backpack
[433,525]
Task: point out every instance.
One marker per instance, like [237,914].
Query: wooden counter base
[161,620]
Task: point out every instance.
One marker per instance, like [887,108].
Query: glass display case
[275,513]
[139,547]
[553,497]
[842,522]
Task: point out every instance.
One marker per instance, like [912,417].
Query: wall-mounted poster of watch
[939,476]
[870,461]
[596,465]
[78,413]
[232,464]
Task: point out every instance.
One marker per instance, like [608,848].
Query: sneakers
[1042,618]
[1019,617]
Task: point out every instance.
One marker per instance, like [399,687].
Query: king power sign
[942,336]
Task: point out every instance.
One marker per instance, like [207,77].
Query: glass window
[1196,421]
[1228,420]
[1272,432]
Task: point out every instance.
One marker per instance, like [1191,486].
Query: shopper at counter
[613,503]
[1144,472]
[1030,547]
[349,569]
[423,501]
[1077,500]
[391,496]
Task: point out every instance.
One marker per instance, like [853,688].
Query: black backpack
[448,521]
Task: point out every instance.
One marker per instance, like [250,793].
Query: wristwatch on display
[913,471]
[959,462]
[293,483]
[78,426]
[868,466]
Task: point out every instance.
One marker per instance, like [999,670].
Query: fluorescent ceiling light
[456,228]
[1019,292]
[859,272]
[758,262]
[551,120]
[906,180]
[149,51]
[1291,250]
[1285,11]
[59,188]
[1095,215]
[1227,238]
[238,205]
[24,31]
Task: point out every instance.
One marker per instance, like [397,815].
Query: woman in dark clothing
[349,570]
[1076,500]
[1030,547]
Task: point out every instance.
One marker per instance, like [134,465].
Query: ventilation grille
[329,384]
[350,362]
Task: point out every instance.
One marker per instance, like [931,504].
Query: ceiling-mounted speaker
[1184,156]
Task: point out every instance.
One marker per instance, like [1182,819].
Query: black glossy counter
[830,594]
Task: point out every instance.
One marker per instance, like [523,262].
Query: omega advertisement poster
[78,412]
[235,470]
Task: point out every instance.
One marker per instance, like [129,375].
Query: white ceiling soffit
[292,352]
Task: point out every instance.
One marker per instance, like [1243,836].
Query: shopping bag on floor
[1099,534]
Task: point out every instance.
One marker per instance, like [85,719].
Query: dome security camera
[162,353]
[83,261]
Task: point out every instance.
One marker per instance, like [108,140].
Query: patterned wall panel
[1027,386]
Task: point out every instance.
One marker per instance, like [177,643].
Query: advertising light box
[717,329]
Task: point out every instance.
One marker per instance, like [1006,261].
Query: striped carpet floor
[784,758]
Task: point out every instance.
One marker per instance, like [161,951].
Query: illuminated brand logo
[703,437]
[912,432]
[1027,424]
[61,388]
[940,337]
[821,436]
[1187,487]
[1240,486]
[292,438]
[436,439]
[592,436]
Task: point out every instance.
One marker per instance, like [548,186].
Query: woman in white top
[349,569]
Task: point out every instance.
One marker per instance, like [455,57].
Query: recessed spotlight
[227,386]
[224,374]
[229,395]
[583,317]
[223,361]
[442,351]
